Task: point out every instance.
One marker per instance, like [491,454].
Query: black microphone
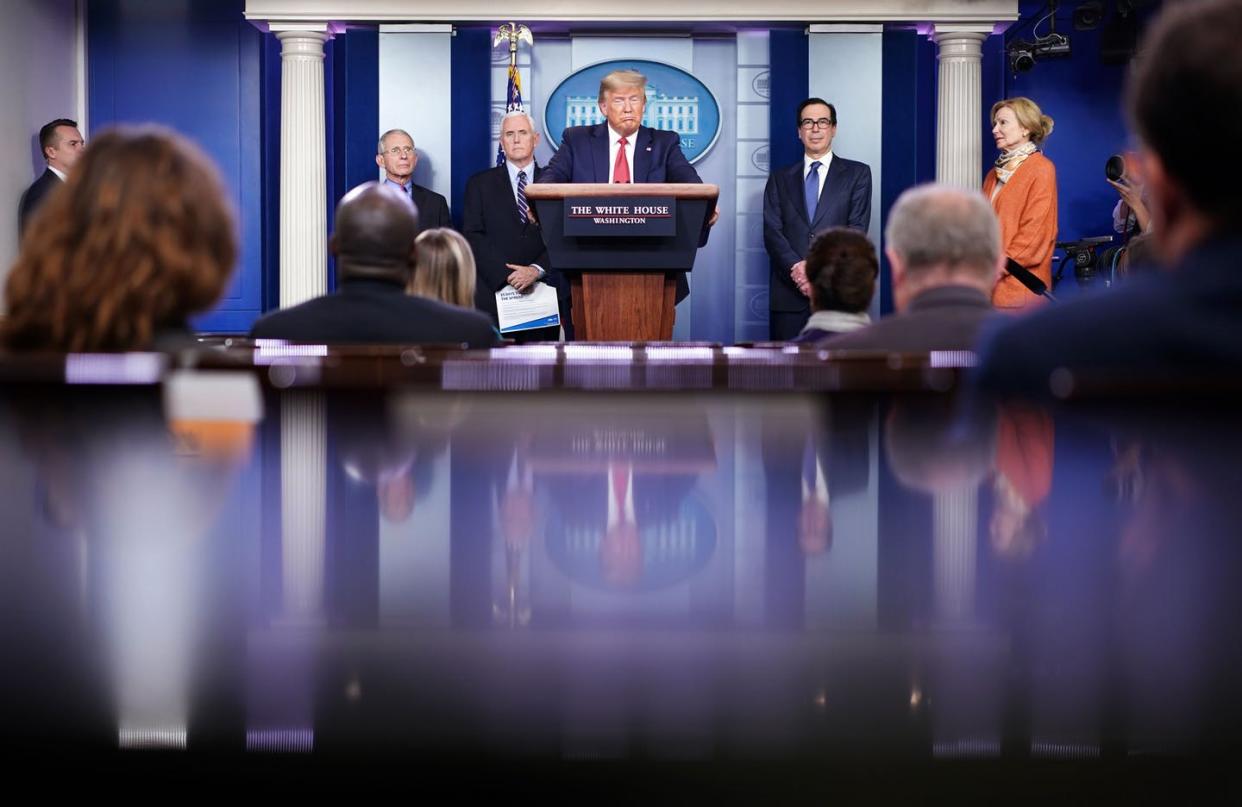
[1027,278]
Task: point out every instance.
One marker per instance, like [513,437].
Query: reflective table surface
[717,594]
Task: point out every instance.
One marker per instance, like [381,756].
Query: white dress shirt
[404,188]
[614,143]
[58,173]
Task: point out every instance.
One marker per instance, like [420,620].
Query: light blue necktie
[812,190]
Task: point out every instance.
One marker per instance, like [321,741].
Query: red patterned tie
[621,170]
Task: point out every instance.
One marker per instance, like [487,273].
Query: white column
[303,511]
[955,534]
[959,118]
[303,174]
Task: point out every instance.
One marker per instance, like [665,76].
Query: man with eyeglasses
[819,191]
[397,156]
[621,149]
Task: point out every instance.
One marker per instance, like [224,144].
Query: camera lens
[1115,168]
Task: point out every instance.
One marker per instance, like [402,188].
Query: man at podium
[622,149]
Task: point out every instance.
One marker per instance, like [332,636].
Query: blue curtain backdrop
[472,110]
[196,71]
[351,81]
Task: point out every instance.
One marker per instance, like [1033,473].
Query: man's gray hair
[513,114]
[379,148]
[939,225]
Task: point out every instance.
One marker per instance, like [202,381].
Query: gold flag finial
[513,32]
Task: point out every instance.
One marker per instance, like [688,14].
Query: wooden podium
[623,282]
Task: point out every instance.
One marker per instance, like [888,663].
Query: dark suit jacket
[34,195]
[942,318]
[787,227]
[375,312]
[583,157]
[1158,327]
[498,236]
[433,209]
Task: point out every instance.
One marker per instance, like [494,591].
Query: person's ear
[896,268]
[332,245]
[1166,201]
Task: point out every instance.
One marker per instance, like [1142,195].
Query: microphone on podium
[1028,278]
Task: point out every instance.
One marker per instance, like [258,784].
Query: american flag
[514,102]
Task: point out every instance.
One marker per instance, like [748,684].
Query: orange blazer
[1027,208]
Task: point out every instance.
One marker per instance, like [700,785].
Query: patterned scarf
[837,321]
[1008,162]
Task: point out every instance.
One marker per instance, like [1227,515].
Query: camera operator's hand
[1132,194]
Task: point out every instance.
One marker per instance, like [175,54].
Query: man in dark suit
[61,144]
[507,242]
[943,245]
[1185,99]
[819,191]
[374,247]
[398,157]
[621,149]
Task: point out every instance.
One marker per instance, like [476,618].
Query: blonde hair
[1029,117]
[621,78]
[444,268]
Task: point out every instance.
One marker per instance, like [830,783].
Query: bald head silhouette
[376,226]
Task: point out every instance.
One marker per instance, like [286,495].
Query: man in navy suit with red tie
[622,149]
[819,191]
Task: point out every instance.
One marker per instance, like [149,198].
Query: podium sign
[624,248]
[628,217]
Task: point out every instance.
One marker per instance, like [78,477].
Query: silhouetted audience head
[141,238]
[376,225]
[1185,102]
[933,448]
[445,268]
[938,235]
[1140,255]
[841,267]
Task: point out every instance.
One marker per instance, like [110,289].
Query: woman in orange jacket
[1022,187]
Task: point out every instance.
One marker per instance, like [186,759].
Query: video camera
[1085,258]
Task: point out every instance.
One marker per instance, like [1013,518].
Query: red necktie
[621,170]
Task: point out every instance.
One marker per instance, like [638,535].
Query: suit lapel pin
[648,148]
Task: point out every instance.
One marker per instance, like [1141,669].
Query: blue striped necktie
[523,209]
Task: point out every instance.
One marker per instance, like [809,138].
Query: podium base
[623,306]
